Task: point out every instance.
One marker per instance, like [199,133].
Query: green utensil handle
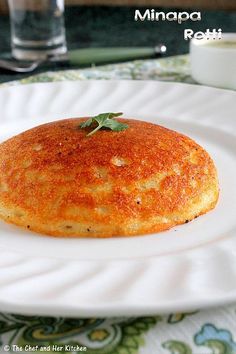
[90,56]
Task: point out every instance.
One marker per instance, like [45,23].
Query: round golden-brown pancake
[56,180]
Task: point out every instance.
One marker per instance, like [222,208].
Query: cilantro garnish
[104,120]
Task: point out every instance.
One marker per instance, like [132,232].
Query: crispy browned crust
[57,181]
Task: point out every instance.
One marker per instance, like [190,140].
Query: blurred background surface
[106,23]
[210,4]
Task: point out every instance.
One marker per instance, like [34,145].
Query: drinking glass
[37,28]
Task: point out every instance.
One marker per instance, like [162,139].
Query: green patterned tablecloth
[210,331]
[168,69]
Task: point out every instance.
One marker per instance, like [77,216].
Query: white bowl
[212,63]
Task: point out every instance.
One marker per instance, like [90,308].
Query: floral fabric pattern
[175,68]
[189,333]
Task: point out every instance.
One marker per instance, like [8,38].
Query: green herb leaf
[104,120]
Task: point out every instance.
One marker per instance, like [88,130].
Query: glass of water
[37,28]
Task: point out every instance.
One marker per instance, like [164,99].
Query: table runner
[211,331]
